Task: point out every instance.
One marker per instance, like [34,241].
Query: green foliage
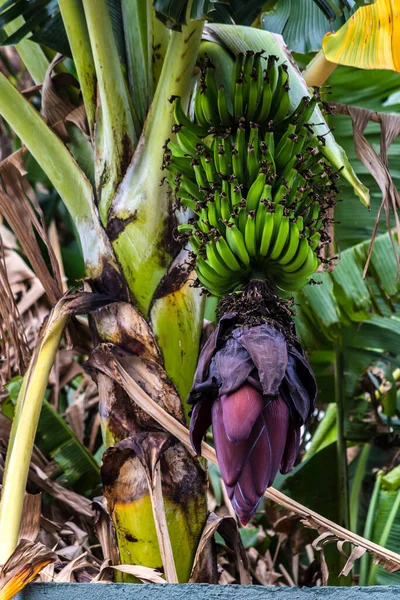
[302,24]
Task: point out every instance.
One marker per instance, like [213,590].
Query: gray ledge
[121,591]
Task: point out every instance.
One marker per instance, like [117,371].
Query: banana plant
[150,112]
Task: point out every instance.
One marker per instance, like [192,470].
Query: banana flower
[255,386]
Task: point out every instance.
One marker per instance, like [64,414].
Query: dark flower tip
[256,390]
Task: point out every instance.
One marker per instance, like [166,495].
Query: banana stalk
[132,492]
[174,304]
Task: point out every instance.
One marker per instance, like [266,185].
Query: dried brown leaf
[66,575]
[105,531]
[227,527]
[19,207]
[145,574]
[14,350]
[377,165]
[357,553]
[23,565]
[30,521]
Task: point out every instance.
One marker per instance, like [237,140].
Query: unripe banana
[241,219]
[215,261]
[255,192]
[292,245]
[267,233]
[307,268]
[299,259]
[198,109]
[238,100]
[273,72]
[281,99]
[226,208]
[236,242]
[195,243]
[278,215]
[185,228]
[182,119]
[223,111]
[281,240]
[227,255]
[213,217]
[250,233]
[188,141]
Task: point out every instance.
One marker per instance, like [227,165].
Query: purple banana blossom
[256,389]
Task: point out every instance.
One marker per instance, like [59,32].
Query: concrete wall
[120,591]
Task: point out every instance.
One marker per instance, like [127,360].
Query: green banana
[250,233]
[281,239]
[252,163]
[241,219]
[267,233]
[314,240]
[255,192]
[185,228]
[278,215]
[213,216]
[273,72]
[215,261]
[188,141]
[281,98]
[200,176]
[226,208]
[223,111]
[292,245]
[300,257]
[264,105]
[227,255]
[308,267]
[238,100]
[236,242]
[198,108]
[195,243]
[182,119]
[260,222]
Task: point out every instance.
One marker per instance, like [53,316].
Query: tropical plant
[207,135]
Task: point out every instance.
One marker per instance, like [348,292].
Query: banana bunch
[253,177]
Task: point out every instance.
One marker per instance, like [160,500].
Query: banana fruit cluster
[252,173]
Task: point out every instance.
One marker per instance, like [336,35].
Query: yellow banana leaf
[369,39]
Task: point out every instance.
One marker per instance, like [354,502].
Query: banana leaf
[302,25]
[368,40]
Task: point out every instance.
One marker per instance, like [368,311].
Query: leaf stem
[78,36]
[323,430]
[356,487]
[341,441]
[369,525]
[29,405]
[116,137]
[318,70]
